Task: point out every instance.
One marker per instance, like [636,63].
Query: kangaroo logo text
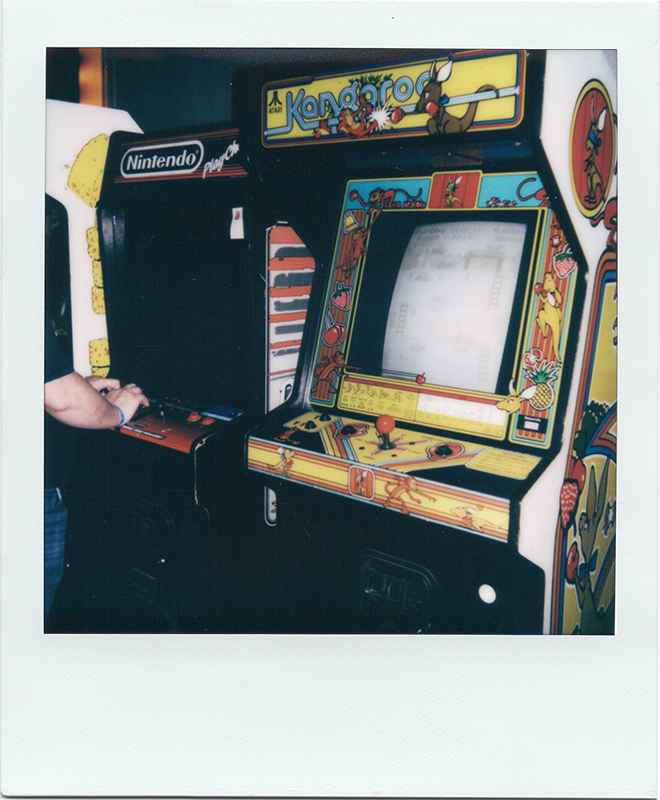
[398,100]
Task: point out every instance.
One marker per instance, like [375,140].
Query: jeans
[54,538]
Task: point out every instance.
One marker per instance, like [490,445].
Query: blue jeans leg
[55,516]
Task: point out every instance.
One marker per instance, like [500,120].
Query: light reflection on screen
[452,302]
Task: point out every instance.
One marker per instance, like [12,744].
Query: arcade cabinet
[447,460]
[167,531]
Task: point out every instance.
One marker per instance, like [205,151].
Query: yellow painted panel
[368,399]
[504,462]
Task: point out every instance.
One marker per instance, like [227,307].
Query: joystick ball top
[385,424]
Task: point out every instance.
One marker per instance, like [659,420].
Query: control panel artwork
[379,463]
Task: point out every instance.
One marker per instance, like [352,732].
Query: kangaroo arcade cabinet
[177,525]
[446,463]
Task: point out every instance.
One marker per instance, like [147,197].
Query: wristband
[121,413]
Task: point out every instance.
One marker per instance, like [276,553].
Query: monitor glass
[452,301]
[440,297]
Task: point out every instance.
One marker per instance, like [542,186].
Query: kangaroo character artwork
[593,143]
[549,316]
[595,188]
[433,101]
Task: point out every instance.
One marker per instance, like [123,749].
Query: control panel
[176,424]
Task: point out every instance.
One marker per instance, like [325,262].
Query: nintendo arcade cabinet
[179,257]
[447,461]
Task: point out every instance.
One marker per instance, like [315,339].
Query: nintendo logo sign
[178,158]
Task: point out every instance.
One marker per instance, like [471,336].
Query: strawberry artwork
[341,297]
[570,492]
[564,263]
[568,500]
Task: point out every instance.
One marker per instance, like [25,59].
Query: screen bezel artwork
[453,409]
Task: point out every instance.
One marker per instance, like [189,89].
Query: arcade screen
[452,287]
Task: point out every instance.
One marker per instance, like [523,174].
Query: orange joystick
[385,426]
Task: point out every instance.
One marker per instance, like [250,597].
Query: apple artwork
[334,335]
[572,561]
[578,472]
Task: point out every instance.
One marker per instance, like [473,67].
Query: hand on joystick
[385,426]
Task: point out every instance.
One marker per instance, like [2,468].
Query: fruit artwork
[86,176]
[542,376]
[563,263]
[341,296]
[541,394]
[335,332]
[570,491]
[587,519]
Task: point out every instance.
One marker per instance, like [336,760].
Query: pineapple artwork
[542,376]
[99,352]
[540,394]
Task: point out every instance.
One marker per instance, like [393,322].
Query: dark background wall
[170,88]
[62,64]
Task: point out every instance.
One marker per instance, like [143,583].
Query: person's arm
[99,383]
[75,401]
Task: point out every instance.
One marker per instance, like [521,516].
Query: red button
[208,421]
[194,417]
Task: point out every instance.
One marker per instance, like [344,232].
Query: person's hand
[128,398]
[99,383]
